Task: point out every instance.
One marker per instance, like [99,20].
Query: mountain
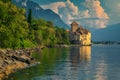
[110,33]
[38,12]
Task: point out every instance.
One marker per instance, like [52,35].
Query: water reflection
[48,59]
[101,71]
[80,61]
[74,63]
[77,54]
[85,52]
[100,63]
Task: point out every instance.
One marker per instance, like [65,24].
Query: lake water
[97,62]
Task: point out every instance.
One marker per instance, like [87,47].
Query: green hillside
[19,31]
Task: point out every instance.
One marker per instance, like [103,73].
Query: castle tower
[74,26]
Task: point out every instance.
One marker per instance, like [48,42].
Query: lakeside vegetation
[20,31]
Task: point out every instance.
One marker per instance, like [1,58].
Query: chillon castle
[79,35]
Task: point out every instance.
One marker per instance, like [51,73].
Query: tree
[49,24]
[17,32]
[29,19]
[13,26]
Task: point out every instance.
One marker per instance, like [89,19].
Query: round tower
[74,26]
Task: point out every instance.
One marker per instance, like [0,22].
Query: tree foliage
[29,18]
[18,32]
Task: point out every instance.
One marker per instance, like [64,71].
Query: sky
[89,13]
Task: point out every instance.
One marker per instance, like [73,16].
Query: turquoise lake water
[97,62]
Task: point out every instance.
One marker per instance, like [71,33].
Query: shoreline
[13,60]
[74,45]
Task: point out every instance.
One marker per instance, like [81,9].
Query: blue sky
[89,13]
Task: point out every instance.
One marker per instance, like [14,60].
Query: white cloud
[24,3]
[66,10]
[95,9]
[82,15]
[94,16]
[95,23]
[85,14]
[54,6]
[73,10]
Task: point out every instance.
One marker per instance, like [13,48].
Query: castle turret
[74,26]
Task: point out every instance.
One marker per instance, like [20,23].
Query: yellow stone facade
[79,35]
[85,39]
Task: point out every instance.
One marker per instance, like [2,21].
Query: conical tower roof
[74,23]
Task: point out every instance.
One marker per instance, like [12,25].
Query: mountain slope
[111,33]
[38,12]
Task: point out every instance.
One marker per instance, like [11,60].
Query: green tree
[18,32]
[61,36]
[29,18]
[49,24]
[13,26]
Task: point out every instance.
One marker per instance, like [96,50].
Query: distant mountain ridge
[39,12]
[110,33]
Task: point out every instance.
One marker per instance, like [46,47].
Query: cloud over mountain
[65,9]
[54,6]
[93,16]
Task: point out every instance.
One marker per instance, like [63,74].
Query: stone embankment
[11,60]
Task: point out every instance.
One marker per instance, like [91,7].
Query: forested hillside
[19,31]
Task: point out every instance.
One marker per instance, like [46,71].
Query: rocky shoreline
[11,60]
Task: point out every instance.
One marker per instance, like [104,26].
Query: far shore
[77,45]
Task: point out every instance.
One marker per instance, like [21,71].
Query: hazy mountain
[38,12]
[110,33]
